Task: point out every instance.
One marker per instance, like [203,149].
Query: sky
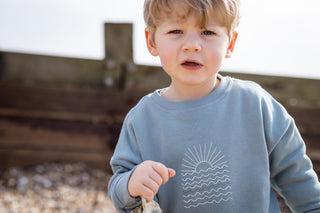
[276,37]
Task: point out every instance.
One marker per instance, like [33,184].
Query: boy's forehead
[176,20]
[179,14]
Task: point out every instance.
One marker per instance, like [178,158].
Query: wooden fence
[67,110]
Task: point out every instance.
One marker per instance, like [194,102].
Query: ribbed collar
[212,98]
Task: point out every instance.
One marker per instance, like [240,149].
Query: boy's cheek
[167,58]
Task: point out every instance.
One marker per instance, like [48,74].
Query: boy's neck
[176,92]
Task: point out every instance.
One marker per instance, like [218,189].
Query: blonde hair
[225,12]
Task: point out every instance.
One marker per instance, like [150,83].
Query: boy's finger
[162,170]
[148,194]
[152,185]
[156,178]
[171,172]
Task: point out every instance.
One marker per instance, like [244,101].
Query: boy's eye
[208,32]
[175,32]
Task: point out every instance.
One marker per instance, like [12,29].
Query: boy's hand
[147,178]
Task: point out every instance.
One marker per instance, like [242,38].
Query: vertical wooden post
[118,50]
[2,70]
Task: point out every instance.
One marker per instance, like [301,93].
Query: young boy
[207,143]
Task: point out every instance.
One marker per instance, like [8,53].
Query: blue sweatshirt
[230,150]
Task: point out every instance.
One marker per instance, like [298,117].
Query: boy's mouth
[191,65]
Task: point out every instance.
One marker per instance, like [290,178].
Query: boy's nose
[192,44]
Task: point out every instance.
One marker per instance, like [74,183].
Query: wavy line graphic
[205,176]
[206,184]
[208,197]
[208,202]
[207,192]
[192,172]
[205,181]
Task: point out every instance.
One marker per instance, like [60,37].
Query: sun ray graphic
[202,157]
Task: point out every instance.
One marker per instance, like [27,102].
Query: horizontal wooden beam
[12,158]
[56,115]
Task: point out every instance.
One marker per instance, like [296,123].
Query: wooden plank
[17,136]
[314,155]
[18,157]
[56,115]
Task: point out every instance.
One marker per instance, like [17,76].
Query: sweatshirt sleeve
[125,159]
[291,170]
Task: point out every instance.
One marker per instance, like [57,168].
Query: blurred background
[71,70]
[275,37]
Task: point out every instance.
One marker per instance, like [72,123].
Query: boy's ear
[231,45]
[150,43]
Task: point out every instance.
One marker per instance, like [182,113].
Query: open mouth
[191,65]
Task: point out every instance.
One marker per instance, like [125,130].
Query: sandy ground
[54,188]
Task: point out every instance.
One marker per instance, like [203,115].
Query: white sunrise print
[205,176]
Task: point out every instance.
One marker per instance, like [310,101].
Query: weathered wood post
[1,64]
[118,52]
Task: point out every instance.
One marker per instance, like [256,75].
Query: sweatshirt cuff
[129,201]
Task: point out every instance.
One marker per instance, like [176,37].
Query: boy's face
[190,55]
